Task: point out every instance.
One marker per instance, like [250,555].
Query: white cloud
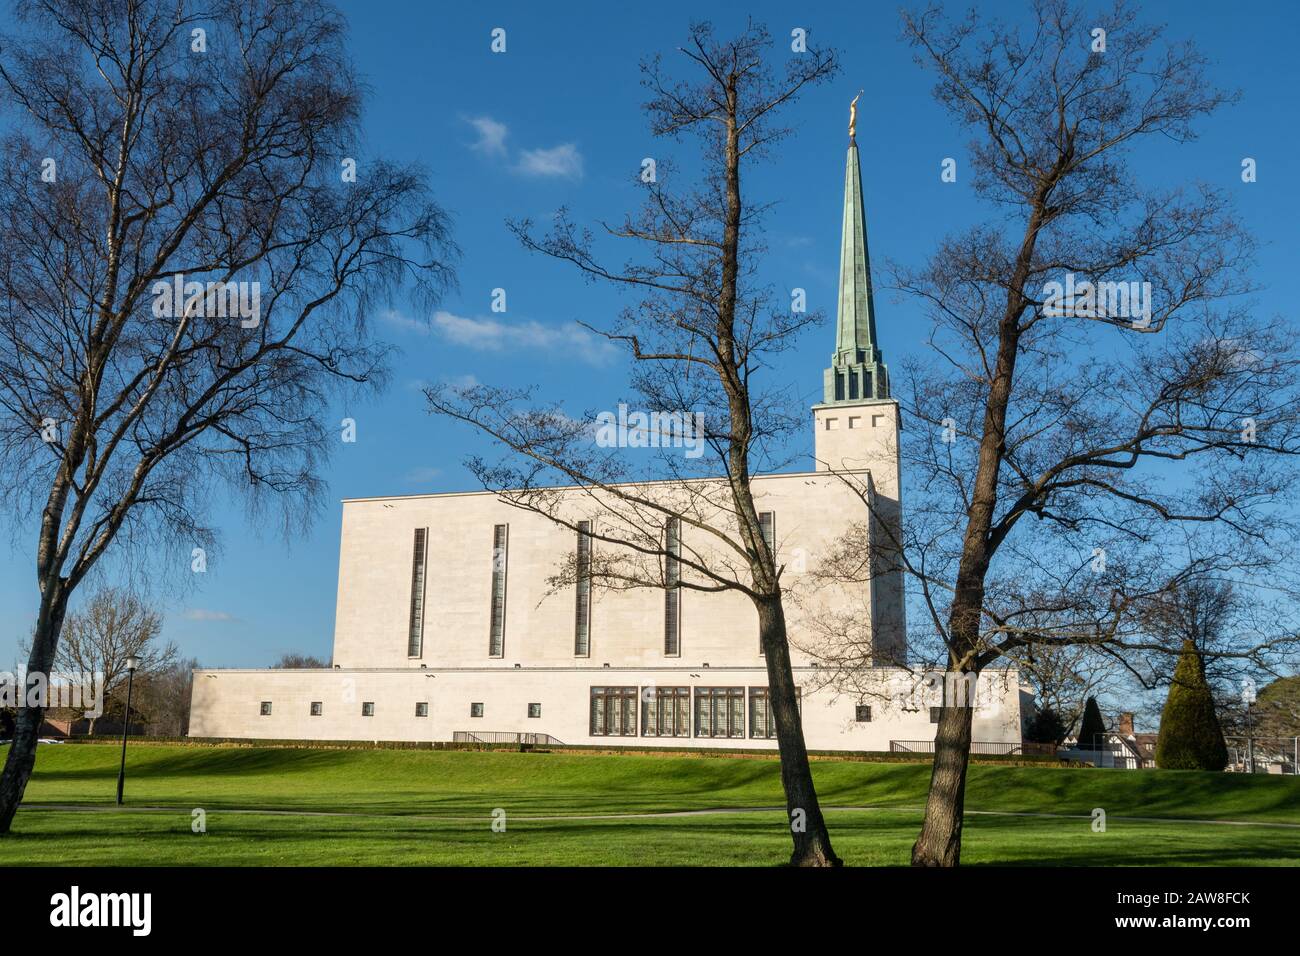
[403,321]
[462,381]
[491,136]
[562,160]
[493,335]
[559,161]
[202,614]
[422,476]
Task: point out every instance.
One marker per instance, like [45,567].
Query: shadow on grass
[992,841]
[146,762]
[459,783]
[757,839]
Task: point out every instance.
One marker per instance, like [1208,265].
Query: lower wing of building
[668,707]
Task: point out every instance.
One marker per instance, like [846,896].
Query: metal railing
[1263,754]
[989,747]
[504,737]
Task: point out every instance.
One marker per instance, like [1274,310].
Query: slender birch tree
[214,148]
[698,336]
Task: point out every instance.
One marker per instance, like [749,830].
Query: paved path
[650,815]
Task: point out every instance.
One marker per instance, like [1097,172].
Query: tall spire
[857,372]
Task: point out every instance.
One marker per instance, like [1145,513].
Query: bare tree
[112,626]
[699,334]
[163,697]
[1146,437]
[292,660]
[164,158]
[1064,676]
[1244,630]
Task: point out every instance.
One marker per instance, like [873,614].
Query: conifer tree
[1190,735]
[1092,727]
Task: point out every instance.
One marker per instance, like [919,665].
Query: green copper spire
[857,372]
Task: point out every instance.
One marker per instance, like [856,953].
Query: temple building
[447,627]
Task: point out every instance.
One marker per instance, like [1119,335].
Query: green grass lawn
[435,807]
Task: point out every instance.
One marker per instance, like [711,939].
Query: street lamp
[132,663]
[1248,698]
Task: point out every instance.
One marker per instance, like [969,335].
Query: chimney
[1126,725]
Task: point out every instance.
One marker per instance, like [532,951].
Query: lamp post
[1248,698]
[132,663]
[1250,741]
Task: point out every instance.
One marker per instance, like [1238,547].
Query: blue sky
[555,121]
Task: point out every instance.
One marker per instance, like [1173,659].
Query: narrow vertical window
[839,386]
[762,719]
[666,712]
[759,720]
[767,527]
[853,384]
[497,638]
[703,712]
[415,633]
[673,594]
[582,612]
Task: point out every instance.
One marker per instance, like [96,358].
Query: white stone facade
[539,662]
[227,704]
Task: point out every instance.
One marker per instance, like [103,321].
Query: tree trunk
[940,841]
[22,752]
[812,844]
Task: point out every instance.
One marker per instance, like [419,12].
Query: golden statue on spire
[853,116]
